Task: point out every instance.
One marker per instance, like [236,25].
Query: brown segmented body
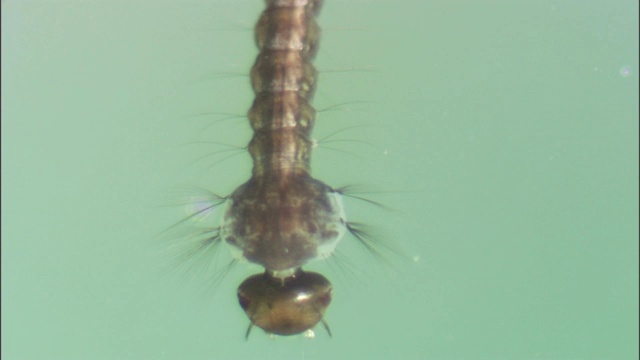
[282,217]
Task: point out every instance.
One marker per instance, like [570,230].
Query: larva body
[282,217]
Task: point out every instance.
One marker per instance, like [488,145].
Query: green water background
[504,133]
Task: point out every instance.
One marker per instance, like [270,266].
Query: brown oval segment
[286,306]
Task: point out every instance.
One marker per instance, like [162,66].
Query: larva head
[285,306]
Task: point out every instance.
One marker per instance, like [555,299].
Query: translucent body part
[284,226]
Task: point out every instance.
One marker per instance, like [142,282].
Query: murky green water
[506,131]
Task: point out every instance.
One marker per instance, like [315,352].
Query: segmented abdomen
[284,79]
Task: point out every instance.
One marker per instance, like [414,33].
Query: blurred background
[503,133]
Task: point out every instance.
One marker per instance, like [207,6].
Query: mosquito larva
[282,218]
